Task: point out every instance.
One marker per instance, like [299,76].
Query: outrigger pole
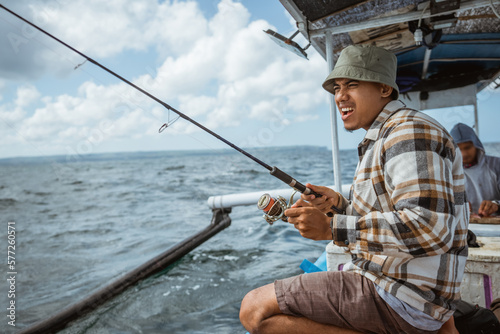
[157,265]
[274,171]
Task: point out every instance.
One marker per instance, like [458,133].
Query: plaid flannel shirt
[406,222]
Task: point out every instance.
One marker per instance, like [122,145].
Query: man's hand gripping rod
[274,209]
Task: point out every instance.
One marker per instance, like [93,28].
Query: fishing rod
[274,171]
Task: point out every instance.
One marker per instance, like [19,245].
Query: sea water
[83,221]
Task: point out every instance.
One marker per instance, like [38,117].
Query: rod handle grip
[278,173]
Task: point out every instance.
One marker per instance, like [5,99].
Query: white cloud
[106,28]
[10,116]
[98,28]
[247,52]
[27,95]
[197,105]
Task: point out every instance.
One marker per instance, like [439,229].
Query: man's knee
[256,306]
[250,315]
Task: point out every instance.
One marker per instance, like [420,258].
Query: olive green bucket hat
[365,63]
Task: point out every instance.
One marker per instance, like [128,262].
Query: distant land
[68,158]
[491,149]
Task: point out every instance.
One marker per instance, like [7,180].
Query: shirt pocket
[364,198]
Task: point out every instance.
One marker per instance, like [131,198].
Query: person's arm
[419,180]
[492,205]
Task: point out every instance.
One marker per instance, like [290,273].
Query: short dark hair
[394,94]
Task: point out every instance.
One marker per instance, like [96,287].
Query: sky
[209,59]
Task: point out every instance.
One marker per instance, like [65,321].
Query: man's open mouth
[346,112]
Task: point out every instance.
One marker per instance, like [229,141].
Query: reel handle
[276,172]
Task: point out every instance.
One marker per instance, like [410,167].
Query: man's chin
[349,130]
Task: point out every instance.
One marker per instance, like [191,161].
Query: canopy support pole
[425,67]
[476,116]
[333,117]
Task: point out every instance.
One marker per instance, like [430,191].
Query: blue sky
[210,59]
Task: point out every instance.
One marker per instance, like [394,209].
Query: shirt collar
[389,109]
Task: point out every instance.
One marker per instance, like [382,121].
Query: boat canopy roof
[460,44]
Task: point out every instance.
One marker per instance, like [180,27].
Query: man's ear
[386,90]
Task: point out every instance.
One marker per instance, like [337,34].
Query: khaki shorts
[342,299]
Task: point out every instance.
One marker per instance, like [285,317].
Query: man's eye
[353,85]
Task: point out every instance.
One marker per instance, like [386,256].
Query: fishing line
[274,171]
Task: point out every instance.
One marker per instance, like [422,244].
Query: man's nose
[341,94]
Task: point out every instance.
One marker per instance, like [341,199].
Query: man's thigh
[343,299]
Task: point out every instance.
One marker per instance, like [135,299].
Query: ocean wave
[37,193]
[247,172]
[170,168]
[6,202]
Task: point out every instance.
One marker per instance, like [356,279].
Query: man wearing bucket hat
[405,224]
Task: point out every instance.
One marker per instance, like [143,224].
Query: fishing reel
[274,208]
